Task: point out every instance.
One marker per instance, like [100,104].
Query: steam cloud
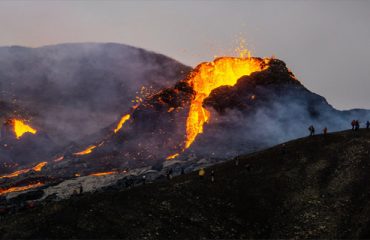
[73,91]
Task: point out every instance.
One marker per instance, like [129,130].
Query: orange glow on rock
[36,168]
[21,188]
[21,128]
[59,159]
[16,173]
[173,156]
[39,166]
[103,173]
[121,122]
[86,151]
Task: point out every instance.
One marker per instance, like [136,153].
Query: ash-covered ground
[315,187]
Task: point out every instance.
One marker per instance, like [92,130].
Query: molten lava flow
[86,151]
[39,166]
[59,159]
[121,122]
[206,77]
[173,156]
[19,189]
[16,173]
[36,168]
[21,128]
[103,173]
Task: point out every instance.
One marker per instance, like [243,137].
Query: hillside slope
[314,187]
[77,89]
[72,92]
[261,110]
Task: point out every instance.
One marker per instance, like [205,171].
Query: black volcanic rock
[6,109]
[311,188]
[244,93]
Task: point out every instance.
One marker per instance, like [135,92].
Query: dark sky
[325,43]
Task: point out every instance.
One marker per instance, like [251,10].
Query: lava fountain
[223,71]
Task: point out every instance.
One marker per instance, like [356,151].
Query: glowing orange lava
[59,159]
[21,128]
[86,151]
[173,156]
[102,173]
[121,122]
[39,166]
[224,71]
[36,168]
[16,173]
[19,189]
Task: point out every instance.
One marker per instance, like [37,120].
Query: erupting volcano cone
[208,76]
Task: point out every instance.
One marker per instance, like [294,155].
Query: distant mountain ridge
[77,89]
[73,91]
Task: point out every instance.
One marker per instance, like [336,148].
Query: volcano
[219,110]
[247,105]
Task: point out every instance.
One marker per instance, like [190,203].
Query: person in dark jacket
[325,131]
[312,130]
[367,124]
[357,125]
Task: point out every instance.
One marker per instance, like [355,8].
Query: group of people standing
[355,127]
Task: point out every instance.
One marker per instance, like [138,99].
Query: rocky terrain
[314,187]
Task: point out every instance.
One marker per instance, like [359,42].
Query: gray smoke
[77,89]
[70,92]
[285,114]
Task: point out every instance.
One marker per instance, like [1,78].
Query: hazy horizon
[325,43]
